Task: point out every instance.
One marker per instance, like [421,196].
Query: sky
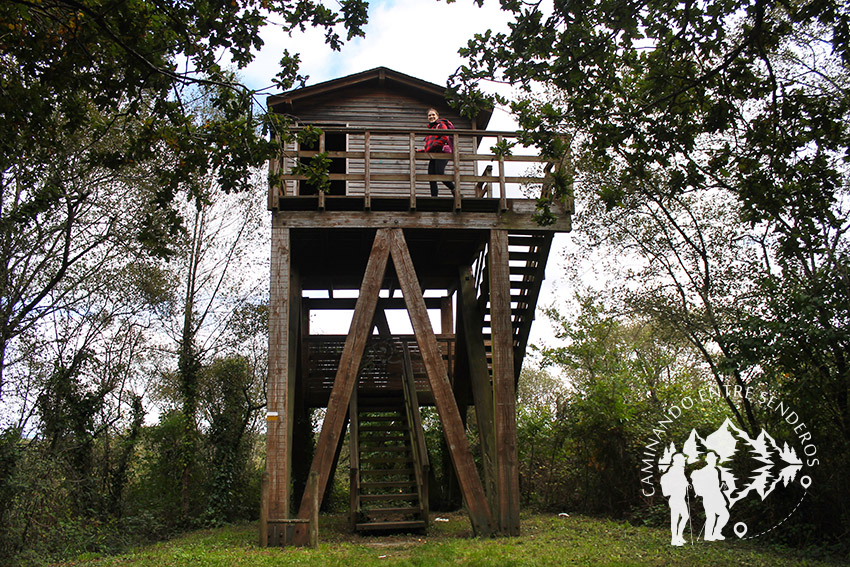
[420,38]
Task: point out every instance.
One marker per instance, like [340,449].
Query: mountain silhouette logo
[722,470]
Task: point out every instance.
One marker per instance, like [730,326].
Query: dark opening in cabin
[334,142]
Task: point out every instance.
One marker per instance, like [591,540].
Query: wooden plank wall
[372,107]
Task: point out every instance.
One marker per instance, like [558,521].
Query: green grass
[546,540]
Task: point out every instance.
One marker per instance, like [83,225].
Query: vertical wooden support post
[381,323]
[470,323]
[264,510]
[453,429]
[446,317]
[367,170]
[313,488]
[281,380]
[346,376]
[504,389]
[447,328]
[302,426]
[412,171]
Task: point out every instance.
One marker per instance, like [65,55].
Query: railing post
[367,173]
[503,200]
[321,193]
[412,171]
[456,169]
[274,188]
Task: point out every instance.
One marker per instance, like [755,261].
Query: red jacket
[435,143]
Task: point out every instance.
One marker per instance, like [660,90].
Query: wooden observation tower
[377,242]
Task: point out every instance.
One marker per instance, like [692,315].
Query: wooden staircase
[527,255]
[389,463]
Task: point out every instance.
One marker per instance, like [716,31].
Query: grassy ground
[545,540]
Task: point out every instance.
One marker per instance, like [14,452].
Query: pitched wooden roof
[381,76]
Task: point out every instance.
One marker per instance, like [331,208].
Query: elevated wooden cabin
[377,241]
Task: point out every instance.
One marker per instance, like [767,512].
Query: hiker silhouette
[707,485]
[674,485]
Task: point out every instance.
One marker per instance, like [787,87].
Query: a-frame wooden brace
[444,399]
[392,241]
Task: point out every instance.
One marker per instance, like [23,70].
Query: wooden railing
[417,435]
[381,370]
[400,145]
[354,461]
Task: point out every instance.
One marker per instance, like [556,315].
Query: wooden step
[385,438]
[392,525]
[524,270]
[522,239]
[383,449]
[388,484]
[386,472]
[514,313]
[363,418]
[385,497]
[376,460]
[384,428]
[383,512]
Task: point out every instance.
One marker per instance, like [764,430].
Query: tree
[655,110]
[685,262]
[659,103]
[61,58]
[620,374]
[211,280]
[231,401]
[747,96]
[727,92]
[656,101]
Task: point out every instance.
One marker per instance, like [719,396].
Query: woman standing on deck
[436,144]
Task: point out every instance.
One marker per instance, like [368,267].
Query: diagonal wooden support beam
[346,376]
[504,389]
[470,482]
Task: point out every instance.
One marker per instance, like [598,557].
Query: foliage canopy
[111,65]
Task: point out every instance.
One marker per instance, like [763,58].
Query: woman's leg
[436,167]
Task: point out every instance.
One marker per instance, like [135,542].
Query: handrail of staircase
[354,460]
[411,404]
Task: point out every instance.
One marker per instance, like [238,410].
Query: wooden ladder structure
[389,462]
